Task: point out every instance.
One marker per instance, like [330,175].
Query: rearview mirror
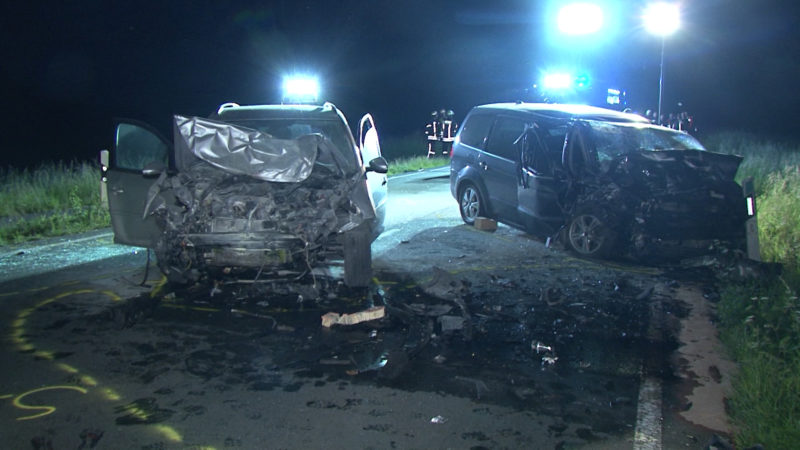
[378,165]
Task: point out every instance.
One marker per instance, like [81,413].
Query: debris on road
[445,285]
[438,420]
[332,318]
[539,347]
[480,386]
[451,323]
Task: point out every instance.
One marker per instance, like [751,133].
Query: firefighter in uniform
[449,128]
[432,131]
[441,132]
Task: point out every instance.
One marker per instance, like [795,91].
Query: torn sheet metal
[215,218]
[244,151]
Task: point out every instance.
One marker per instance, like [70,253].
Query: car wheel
[470,204]
[357,258]
[588,234]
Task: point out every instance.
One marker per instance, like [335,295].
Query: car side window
[503,141]
[474,131]
[135,147]
[535,153]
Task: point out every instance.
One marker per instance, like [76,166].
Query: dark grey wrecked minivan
[258,193]
[604,182]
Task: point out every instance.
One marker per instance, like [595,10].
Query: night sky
[69,68]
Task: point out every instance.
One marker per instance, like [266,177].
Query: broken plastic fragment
[438,420]
[540,347]
[549,360]
[332,318]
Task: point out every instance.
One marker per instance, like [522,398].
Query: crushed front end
[227,213]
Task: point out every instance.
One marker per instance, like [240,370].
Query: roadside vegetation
[409,154]
[760,319]
[54,199]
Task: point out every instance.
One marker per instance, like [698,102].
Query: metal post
[104,159]
[751,226]
[661,80]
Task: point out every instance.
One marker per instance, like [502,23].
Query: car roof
[565,111]
[233,111]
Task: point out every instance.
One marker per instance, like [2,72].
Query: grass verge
[760,325]
[760,320]
[52,200]
[416,163]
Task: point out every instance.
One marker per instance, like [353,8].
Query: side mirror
[153,169]
[378,165]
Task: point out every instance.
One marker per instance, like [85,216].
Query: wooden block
[485,224]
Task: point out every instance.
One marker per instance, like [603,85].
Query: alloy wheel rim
[470,203]
[585,234]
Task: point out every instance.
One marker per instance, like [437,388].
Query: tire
[357,258]
[588,234]
[470,203]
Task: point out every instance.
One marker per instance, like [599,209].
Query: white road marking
[648,416]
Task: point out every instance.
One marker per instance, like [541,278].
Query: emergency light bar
[300,90]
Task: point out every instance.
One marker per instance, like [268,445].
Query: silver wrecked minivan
[266,192]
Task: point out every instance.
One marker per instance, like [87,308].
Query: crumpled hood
[674,169]
[244,151]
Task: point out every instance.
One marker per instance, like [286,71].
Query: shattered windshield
[294,127]
[612,139]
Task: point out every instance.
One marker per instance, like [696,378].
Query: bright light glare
[300,89]
[557,81]
[662,18]
[580,18]
[612,96]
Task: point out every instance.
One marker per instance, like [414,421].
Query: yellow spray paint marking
[18,325]
[111,394]
[159,286]
[191,308]
[169,433]
[45,409]
[39,289]
[67,368]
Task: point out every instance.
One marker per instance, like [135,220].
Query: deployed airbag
[244,151]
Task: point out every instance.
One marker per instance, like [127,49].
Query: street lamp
[580,18]
[661,19]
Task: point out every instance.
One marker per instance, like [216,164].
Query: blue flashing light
[557,81]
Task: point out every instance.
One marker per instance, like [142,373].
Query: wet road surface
[490,340]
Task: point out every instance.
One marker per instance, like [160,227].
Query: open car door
[370,148]
[139,155]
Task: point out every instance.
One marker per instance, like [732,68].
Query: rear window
[475,129]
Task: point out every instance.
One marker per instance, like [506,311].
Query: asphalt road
[491,340]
